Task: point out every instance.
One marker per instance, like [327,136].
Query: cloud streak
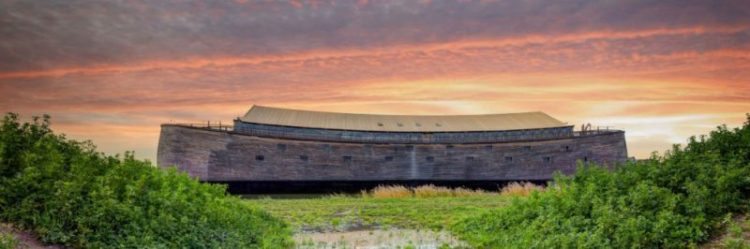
[548,40]
[47,34]
[112,71]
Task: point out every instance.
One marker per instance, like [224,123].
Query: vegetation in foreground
[346,213]
[736,234]
[388,216]
[384,238]
[67,193]
[392,206]
[431,191]
[8,241]
[673,201]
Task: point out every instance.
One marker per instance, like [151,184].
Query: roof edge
[399,123]
[389,131]
[252,107]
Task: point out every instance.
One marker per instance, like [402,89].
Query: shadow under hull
[332,187]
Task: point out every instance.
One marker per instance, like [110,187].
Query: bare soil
[723,239]
[375,239]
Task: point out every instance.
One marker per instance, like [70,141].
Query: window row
[568,148]
[508,159]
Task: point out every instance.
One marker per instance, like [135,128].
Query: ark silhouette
[282,150]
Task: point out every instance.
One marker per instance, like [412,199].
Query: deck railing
[401,137]
[397,137]
[208,125]
[597,131]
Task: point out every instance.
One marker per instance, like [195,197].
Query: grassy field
[346,213]
[387,216]
[736,234]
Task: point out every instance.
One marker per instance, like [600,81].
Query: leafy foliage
[70,194]
[670,201]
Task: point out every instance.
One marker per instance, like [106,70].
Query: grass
[520,189]
[431,191]
[391,206]
[392,191]
[8,241]
[386,209]
[390,238]
[736,234]
[344,213]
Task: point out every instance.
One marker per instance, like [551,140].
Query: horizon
[112,72]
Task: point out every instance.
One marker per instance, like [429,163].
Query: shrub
[70,194]
[427,191]
[671,201]
[390,191]
[463,192]
[423,191]
[520,189]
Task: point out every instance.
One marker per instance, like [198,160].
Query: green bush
[70,194]
[671,201]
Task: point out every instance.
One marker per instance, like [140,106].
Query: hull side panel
[229,157]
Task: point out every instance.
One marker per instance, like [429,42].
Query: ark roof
[399,123]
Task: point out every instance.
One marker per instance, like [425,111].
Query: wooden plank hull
[222,156]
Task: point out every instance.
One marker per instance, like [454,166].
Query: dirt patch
[375,239]
[26,240]
[735,234]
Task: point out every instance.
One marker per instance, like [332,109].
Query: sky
[113,71]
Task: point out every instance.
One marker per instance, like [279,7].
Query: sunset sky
[112,71]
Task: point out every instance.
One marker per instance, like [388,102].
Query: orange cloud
[158,63]
[324,55]
[606,78]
